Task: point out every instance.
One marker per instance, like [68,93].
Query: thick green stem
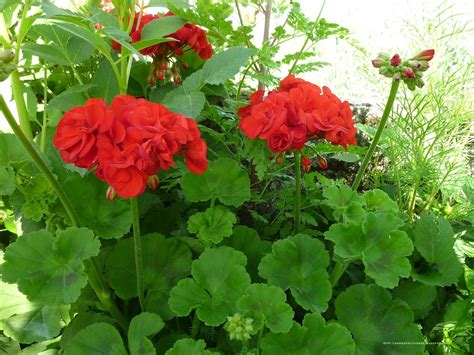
[137,245]
[195,326]
[259,341]
[378,134]
[95,277]
[337,272]
[297,191]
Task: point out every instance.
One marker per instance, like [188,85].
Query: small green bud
[239,327]
[7,56]
[6,69]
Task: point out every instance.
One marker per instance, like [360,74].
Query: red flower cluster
[129,142]
[189,35]
[287,118]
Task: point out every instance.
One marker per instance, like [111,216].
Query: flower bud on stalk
[111,194]
[153,182]
[425,56]
[177,78]
[322,162]
[306,163]
[160,75]
[410,74]
[280,158]
[395,60]
[6,56]
[6,69]
[381,60]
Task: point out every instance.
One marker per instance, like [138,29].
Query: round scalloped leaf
[377,322]
[219,279]
[57,274]
[417,295]
[142,326]
[212,225]
[266,305]
[165,262]
[314,337]
[189,347]
[224,179]
[378,243]
[378,201]
[299,263]
[108,219]
[97,339]
[434,240]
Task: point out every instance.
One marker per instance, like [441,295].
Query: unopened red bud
[177,78]
[322,162]
[413,64]
[185,65]
[153,182]
[395,60]
[408,73]
[164,66]
[306,163]
[160,75]
[151,80]
[280,158]
[426,55]
[111,194]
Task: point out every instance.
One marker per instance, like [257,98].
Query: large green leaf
[417,295]
[224,179]
[434,241]
[165,261]
[188,104]
[219,279]
[212,225]
[267,306]
[7,180]
[49,269]
[299,263]
[97,339]
[11,151]
[247,241]
[223,66]
[378,324]
[313,337]
[141,327]
[108,219]
[378,243]
[345,203]
[8,346]
[161,27]
[105,82]
[189,347]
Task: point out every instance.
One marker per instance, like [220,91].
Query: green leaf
[378,243]
[247,241]
[105,82]
[345,203]
[189,347]
[81,321]
[69,98]
[213,225]
[39,324]
[267,306]
[188,104]
[219,279]
[7,180]
[417,295]
[313,337]
[299,263]
[225,65]
[377,322]
[108,219]
[9,346]
[57,274]
[97,339]
[141,327]
[165,261]
[224,179]
[434,240]
[379,201]
[11,151]
[161,27]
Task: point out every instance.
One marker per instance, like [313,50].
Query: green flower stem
[137,245]
[378,134]
[337,272]
[95,277]
[195,326]
[297,191]
[259,341]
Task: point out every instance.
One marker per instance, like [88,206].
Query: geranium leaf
[378,243]
[379,201]
[219,279]
[57,275]
[247,241]
[299,263]
[417,295]
[213,225]
[142,326]
[98,338]
[188,104]
[224,180]
[313,337]
[435,242]
[189,346]
[165,261]
[344,202]
[266,305]
[223,66]
[161,27]
[377,322]
[108,219]
[7,180]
